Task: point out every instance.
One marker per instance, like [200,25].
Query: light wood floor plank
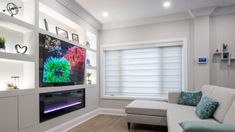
[108,123]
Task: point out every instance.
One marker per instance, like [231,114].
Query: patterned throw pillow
[206,107]
[190,98]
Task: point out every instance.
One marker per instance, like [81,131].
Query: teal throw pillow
[190,98]
[206,126]
[206,107]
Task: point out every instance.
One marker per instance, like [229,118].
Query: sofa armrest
[173,97]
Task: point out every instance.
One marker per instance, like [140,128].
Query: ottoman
[147,112]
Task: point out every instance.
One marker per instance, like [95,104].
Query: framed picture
[75,37]
[61,32]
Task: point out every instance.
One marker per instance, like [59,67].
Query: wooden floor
[108,123]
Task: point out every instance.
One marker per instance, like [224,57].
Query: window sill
[165,99]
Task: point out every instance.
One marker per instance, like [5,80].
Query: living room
[107,65]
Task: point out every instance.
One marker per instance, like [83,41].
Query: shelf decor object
[61,32]
[46,24]
[21,49]
[2,43]
[9,86]
[75,38]
[88,78]
[12,9]
[88,44]
[88,62]
[224,54]
[15,81]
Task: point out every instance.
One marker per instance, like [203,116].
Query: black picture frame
[75,37]
[61,32]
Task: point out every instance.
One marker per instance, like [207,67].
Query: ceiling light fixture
[166,4]
[105,14]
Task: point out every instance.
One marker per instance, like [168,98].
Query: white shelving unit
[21,106]
[54,19]
[228,57]
[21,30]
[91,44]
[26,13]
[24,28]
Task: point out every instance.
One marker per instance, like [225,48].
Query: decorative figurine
[9,86]
[88,78]
[225,47]
[88,62]
[12,8]
[21,50]
[88,44]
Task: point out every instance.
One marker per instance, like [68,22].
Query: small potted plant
[88,78]
[2,43]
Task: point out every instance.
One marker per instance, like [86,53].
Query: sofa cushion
[230,117]
[147,107]
[206,107]
[225,97]
[173,97]
[190,98]
[206,126]
[179,113]
[207,89]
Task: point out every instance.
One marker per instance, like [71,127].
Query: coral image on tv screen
[60,63]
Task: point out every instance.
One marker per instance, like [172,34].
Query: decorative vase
[2,43]
[89,81]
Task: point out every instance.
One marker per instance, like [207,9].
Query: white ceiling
[125,10]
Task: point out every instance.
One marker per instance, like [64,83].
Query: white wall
[176,29]
[201,49]
[222,30]
[204,35]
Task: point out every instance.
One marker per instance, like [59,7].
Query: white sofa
[170,113]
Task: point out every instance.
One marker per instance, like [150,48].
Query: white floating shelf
[8,19]
[16,57]
[91,67]
[90,49]
[90,85]
[17,92]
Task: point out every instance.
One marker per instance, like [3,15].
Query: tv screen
[60,63]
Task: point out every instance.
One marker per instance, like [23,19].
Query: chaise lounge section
[171,113]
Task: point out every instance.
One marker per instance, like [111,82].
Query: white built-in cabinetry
[19,108]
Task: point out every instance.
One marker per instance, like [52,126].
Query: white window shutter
[143,72]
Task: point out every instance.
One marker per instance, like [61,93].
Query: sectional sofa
[170,113]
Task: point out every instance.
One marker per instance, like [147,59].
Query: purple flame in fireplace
[61,107]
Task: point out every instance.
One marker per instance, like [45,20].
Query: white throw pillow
[225,97]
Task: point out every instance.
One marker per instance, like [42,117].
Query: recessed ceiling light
[166,4]
[105,14]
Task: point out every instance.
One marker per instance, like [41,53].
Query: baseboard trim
[108,111]
[81,119]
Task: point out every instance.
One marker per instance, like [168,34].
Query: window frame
[146,44]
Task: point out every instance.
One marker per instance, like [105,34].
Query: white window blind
[143,72]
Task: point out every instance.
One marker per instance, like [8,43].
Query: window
[146,71]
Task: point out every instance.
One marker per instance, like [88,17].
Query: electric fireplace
[55,104]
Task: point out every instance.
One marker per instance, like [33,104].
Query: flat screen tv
[60,63]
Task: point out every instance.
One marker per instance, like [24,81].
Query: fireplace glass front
[58,103]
